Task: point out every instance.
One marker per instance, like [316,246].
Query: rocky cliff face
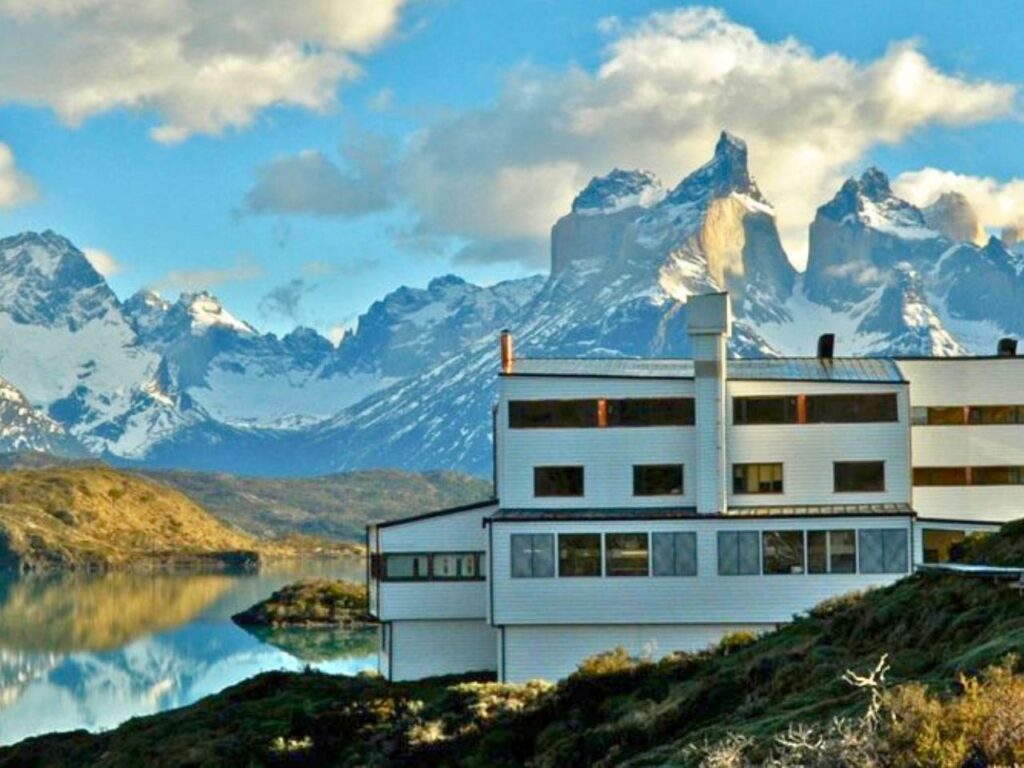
[952,216]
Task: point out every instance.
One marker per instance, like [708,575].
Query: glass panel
[686,554]
[522,555]
[455,566]
[918,415]
[658,480]
[558,481]
[851,409]
[400,567]
[939,545]
[945,416]
[859,476]
[757,478]
[894,547]
[870,542]
[842,551]
[579,554]
[544,555]
[651,412]
[783,552]
[551,414]
[663,551]
[995,475]
[728,553]
[764,410]
[925,476]
[749,553]
[625,554]
[992,414]
[817,552]
[532,555]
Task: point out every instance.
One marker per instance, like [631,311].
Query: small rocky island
[310,603]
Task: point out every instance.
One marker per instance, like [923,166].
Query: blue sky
[467,127]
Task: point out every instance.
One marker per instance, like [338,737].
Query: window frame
[600,554]
[802,533]
[550,536]
[606,552]
[861,462]
[740,536]
[637,468]
[675,536]
[688,406]
[881,532]
[740,404]
[516,405]
[888,397]
[431,576]
[948,532]
[747,465]
[828,533]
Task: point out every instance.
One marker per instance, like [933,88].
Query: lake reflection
[90,651]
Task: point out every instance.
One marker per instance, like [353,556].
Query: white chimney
[709,324]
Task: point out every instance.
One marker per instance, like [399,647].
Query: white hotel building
[660,504]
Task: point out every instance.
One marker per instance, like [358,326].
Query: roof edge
[435,513]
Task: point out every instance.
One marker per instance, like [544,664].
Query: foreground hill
[336,506]
[953,696]
[93,517]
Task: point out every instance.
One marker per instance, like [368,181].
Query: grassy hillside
[953,696]
[336,506]
[91,517]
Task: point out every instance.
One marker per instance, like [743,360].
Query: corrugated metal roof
[610,513]
[811,510]
[671,513]
[850,369]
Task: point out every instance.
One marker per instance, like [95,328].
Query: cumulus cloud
[665,88]
[997,203]
[243,270]
[202,67]
[102,261]
[312,183]
[15,187]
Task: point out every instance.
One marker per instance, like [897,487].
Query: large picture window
[883,550]
[938,416]
[783,552]
[558,481]
[831,552]
[936,476]
[407,567]
[940,545]
[533,555]
[579,554]
[674,554]
[651,412]
[851,409]
[657,480]
[764,410]
[757,478]
[738,553]
[625,554]
[858,476]
[552,414]
[995,475]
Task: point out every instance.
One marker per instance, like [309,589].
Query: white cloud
[665,88]
[102,261]
[997,203]
[243,270]
[202,67]
[15,187]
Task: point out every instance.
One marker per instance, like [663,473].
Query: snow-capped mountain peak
[618,191]
[870,202]
[206,311]
[726,173]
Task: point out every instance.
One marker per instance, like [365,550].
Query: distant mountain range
[187,384]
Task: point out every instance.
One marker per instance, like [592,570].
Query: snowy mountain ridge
[188,383]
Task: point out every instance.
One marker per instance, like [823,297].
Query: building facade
[659,505]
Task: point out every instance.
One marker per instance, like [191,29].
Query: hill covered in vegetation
[926,672]
[94,517]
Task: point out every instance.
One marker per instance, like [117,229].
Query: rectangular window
[883,550]
[456,566]
[757,478]
[625,554]
[925,476]
[783,552]
[579,554]
[738,553]
[675,554]
[858,476]
[552,414]
[764,410]
[851,409]
[995,475]
[407,567]
[657,479]
[942,416]
[993,414]
[831,552]
[533,555]
[651,412]
[940,545]
[558,481]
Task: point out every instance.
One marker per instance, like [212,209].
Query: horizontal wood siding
[429,648]
[703,599]
[607,455]
[995,503]
[457,532]
[807,451]
[552,653]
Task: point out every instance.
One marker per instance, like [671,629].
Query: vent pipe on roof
[826,346]
[1007,348]
[507,358]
